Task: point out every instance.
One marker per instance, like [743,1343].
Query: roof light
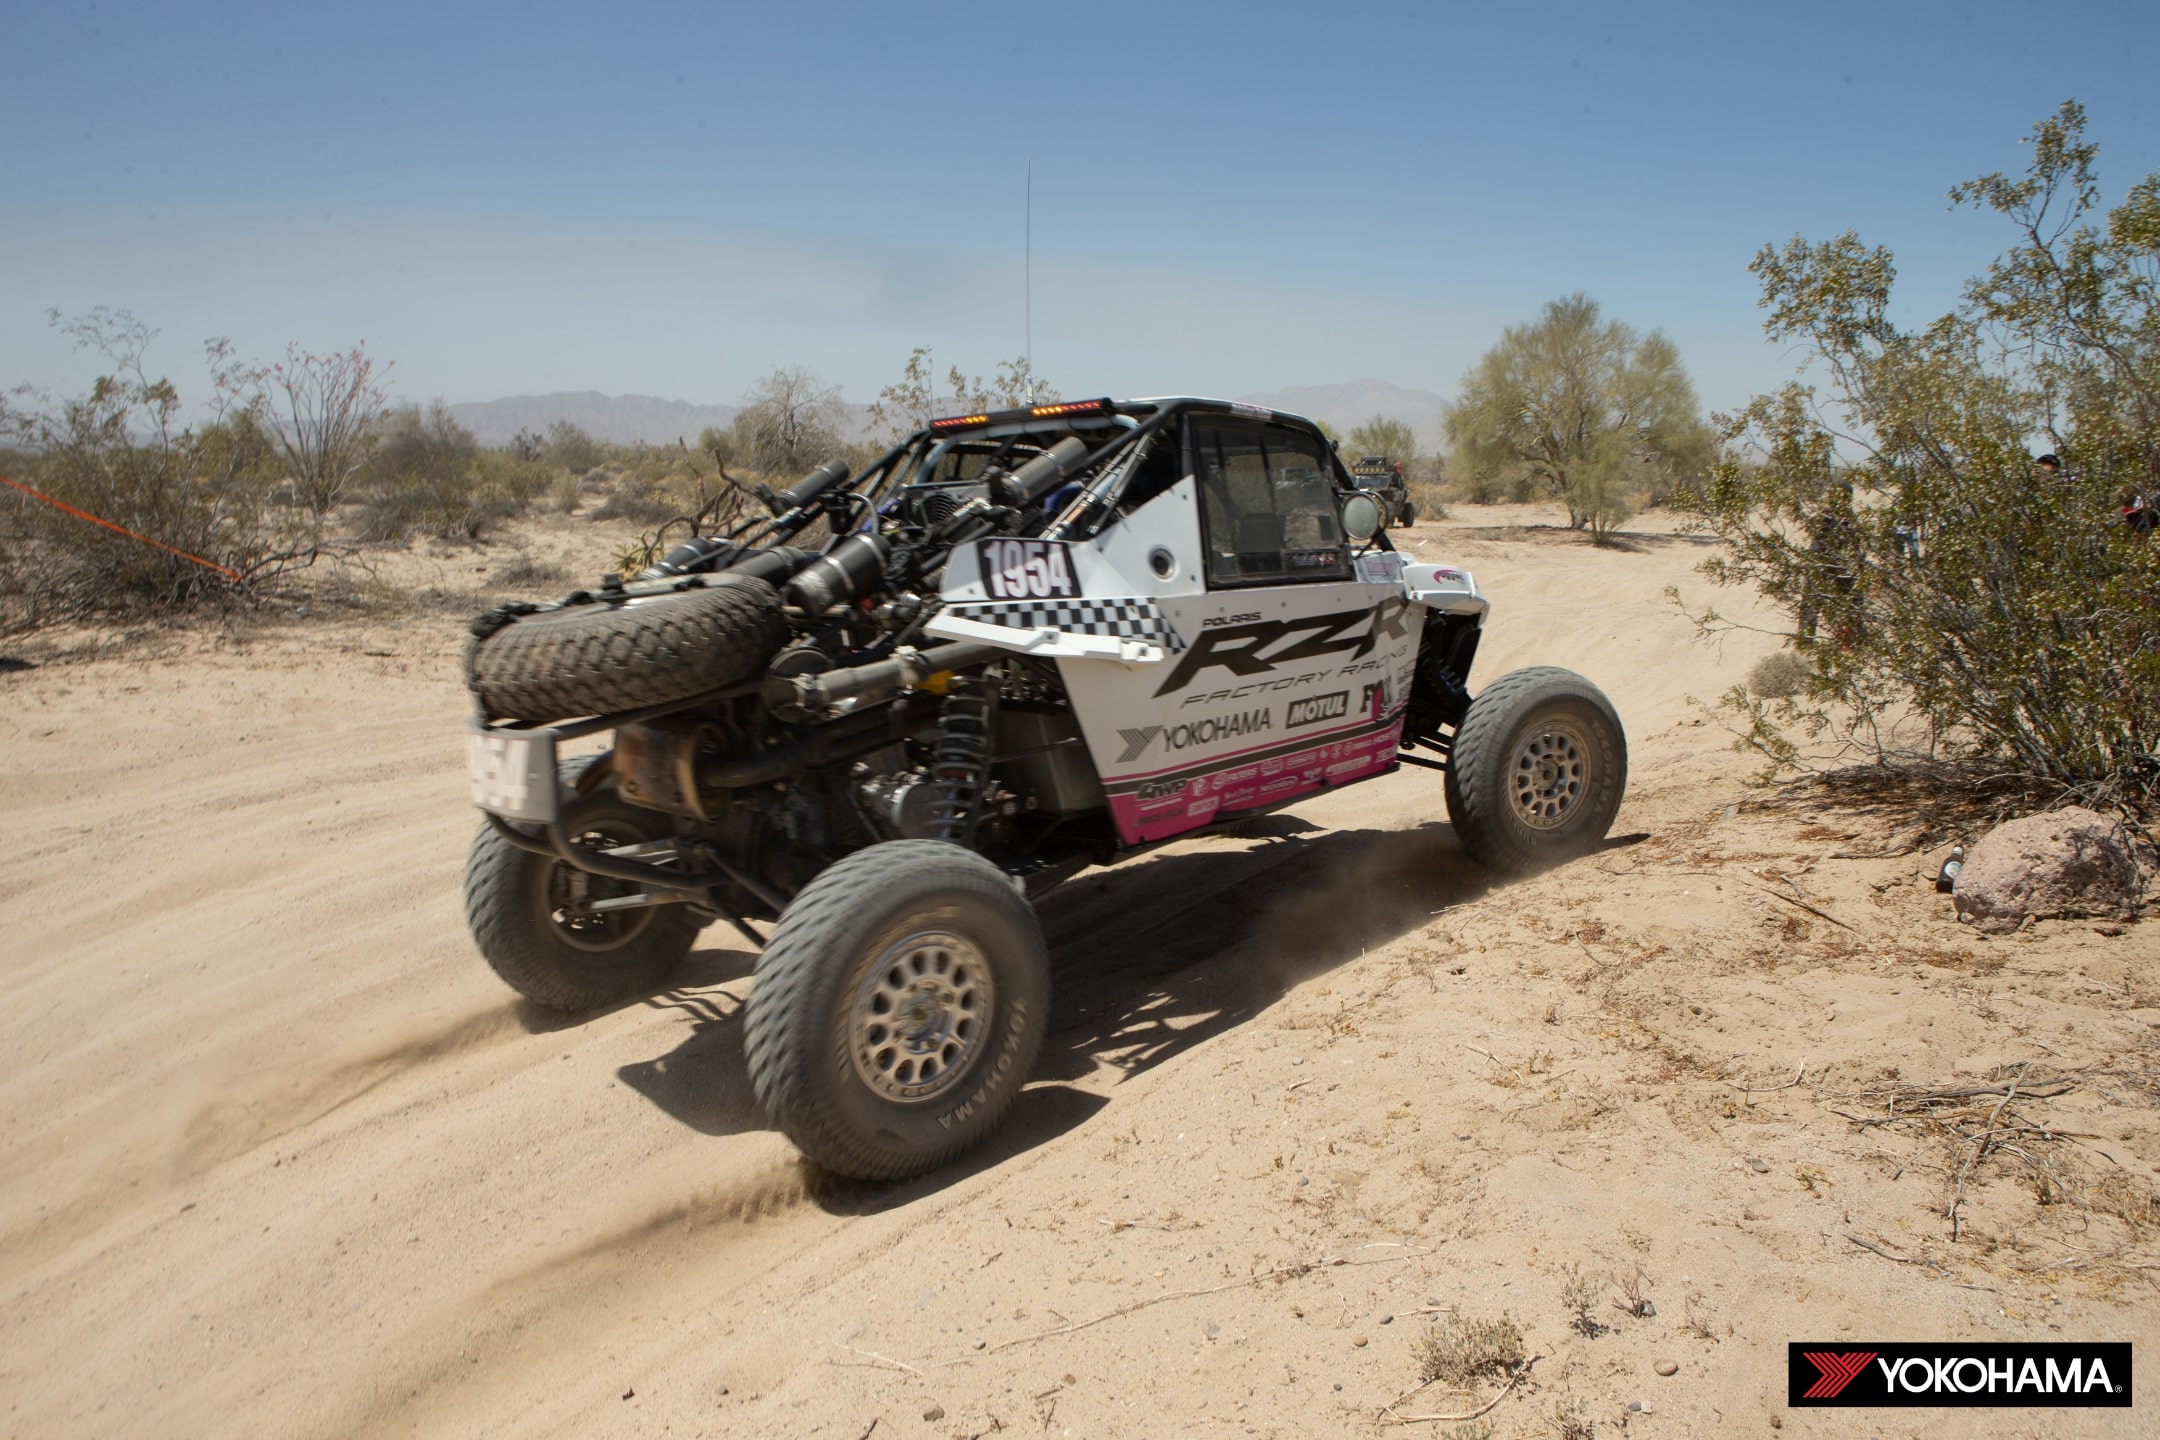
[1069,407]
[959,422]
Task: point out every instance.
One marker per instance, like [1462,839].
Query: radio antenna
[1027,282]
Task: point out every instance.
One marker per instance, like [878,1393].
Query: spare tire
[598,658]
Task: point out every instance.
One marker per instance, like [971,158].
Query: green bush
[123,453]
[428,475]
[1960,605]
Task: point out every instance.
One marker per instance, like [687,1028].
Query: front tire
[897,1009]
[514,903]
[1536,771]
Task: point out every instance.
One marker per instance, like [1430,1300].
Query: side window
[1269,502]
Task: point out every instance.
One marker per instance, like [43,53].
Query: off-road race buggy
[1382,479]
[1036,640]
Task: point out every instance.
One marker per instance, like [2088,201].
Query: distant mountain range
[631,419]
[1348,406]
[616,419]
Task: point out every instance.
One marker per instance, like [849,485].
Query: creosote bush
[125,452]
[1460,1351]
[1779,675]
[1963,608]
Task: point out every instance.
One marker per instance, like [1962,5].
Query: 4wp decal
[1258,648]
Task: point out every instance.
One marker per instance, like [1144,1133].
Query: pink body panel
[1187,801]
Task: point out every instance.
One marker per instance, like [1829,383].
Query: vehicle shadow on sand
[1147,960]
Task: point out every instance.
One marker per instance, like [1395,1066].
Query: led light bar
[1053,411]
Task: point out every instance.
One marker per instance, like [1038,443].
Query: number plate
[513,775]
[1028,570]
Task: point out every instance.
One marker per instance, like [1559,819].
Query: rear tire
[1409,515]
[898,1009]
[513,899]
[1536,771]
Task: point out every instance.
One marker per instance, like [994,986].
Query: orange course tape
[36,494]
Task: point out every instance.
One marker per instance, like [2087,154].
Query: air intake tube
[816,483]
[1048,470]
[841,576]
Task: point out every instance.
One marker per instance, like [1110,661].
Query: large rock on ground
[2067,862]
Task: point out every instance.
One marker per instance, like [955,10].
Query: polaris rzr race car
[1037,640]
[1382,479]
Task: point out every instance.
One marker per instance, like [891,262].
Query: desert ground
[280,1157]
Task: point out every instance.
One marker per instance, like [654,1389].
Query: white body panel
[1198,703]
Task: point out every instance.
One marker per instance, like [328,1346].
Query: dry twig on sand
[1804,905]
[1766,1089]
[1387,1415]
[1280,1272]
[1980,1148]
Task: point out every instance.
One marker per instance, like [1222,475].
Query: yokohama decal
[1837,1371]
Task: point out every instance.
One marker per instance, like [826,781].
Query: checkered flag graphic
[1137,618]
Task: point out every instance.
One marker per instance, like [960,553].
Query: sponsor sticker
[1314,708]
[2002,1373]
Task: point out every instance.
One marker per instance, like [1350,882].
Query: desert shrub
[1430,497]
[565,492]
[1778,675]
[1460,1351]
[522,478]
[1579,409]
[789,423]
[124,452]
[429,476]
[570,448]
[1960,605]
[640,499]
[523,570]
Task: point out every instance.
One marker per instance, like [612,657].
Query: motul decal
[1315,708]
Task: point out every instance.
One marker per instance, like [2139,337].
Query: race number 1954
[1028,570]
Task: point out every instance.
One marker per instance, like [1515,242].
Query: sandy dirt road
[279,1157]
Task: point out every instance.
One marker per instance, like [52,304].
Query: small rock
[1338,1385]
[1666,1367]
[2066,862]
[1069,1379]
[1297,1059]
[979,1342]
[1360,1342]
[1640,1407]
[627,1394]
[935,1412]
[1760,1167]
[1387,1319]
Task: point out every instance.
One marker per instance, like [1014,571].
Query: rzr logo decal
[1238,648]
[1837,1372]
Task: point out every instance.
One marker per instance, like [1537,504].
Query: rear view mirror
[1360,518]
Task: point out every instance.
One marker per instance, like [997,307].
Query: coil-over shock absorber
[960,764]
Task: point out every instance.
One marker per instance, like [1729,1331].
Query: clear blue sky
[1228,198]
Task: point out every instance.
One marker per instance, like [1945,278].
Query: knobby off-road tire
[1409,515]
[1536,771]
[898,1009]
[599,658]
[512,900]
